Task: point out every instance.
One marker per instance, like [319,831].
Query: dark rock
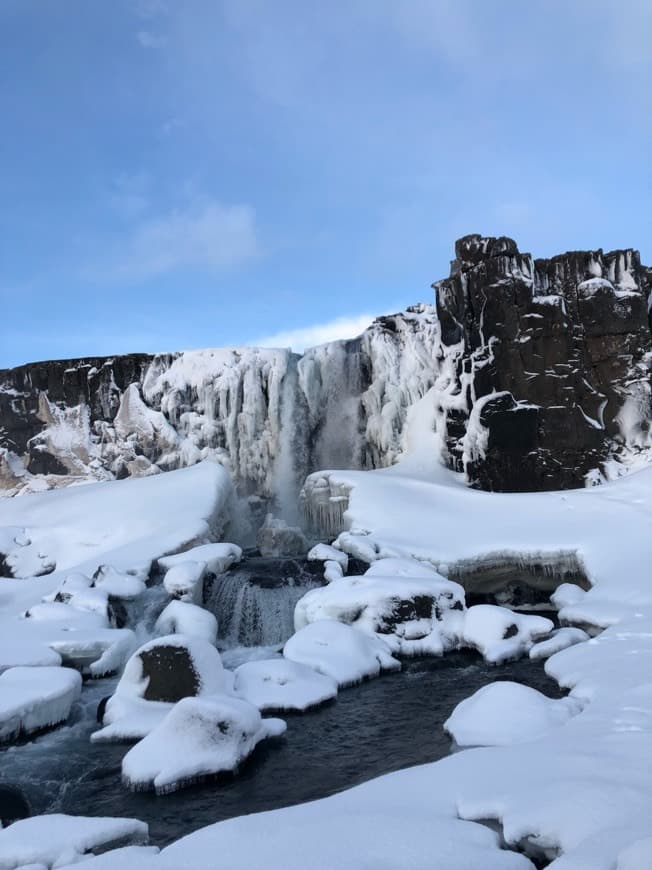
[13,805]
[101,709]
[171,673]
[563,344]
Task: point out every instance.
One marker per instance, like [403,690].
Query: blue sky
[188,173]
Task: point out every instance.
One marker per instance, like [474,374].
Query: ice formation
[199,737]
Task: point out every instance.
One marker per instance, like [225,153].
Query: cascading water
[254,603]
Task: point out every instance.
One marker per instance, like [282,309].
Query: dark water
[386,724]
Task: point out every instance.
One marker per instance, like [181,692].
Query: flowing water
[388,723]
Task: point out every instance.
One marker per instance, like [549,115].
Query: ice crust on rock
[57,840]
[505,712]
[343,653]
[180,617]
[277,538]
[199,737]
[33,698]
[281,685]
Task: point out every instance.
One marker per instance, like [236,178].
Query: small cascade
[254,602]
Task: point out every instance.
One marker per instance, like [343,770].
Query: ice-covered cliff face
[270,416]
[535,374]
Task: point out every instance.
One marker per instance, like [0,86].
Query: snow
[559,639]
[120,584]
[505,712]
[55,838]
[326,553]
[407,612]
[127,856]
[282,685]
[185,581]
[199,737]
[216,557]
[32,698]
[501,634]
[339,651]
[130,715]
[122,525]
[179,617]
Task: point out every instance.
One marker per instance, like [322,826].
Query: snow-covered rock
[326,553]
[505,712]
[185,581]
[341,652]
[281,685]
[119,584]
[59,840]
[158,675]
[35,698]
[199,737]
[408,611]
[216,557]
[560,639]
[501,634]
[180,617]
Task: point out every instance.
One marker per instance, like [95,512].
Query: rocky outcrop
[549,363]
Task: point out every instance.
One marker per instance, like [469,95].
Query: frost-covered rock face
[548,363]
[270,416]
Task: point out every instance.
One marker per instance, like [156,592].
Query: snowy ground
[571,783]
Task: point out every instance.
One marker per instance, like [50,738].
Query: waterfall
[254,603]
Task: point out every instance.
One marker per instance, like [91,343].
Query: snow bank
[505,712]
[179,617]
[123,525]
[282,685]
[34,698]
[199,737]
[339,651]
[60,840]
[560,639]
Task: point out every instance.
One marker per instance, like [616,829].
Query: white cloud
[205,234]
[147,39]
[310,336]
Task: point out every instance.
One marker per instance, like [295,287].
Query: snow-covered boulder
[199,737]
[35,698]
[57,840]
[281,685]
[560,638]
[185,581]
[217,557]
[326,553]
[501,634]
[276,538]
[505,712]
[341,652]
[180,617]
[160,673]
[120,584]
[408,611]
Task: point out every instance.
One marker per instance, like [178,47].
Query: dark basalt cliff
[555,358]
[538,372]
